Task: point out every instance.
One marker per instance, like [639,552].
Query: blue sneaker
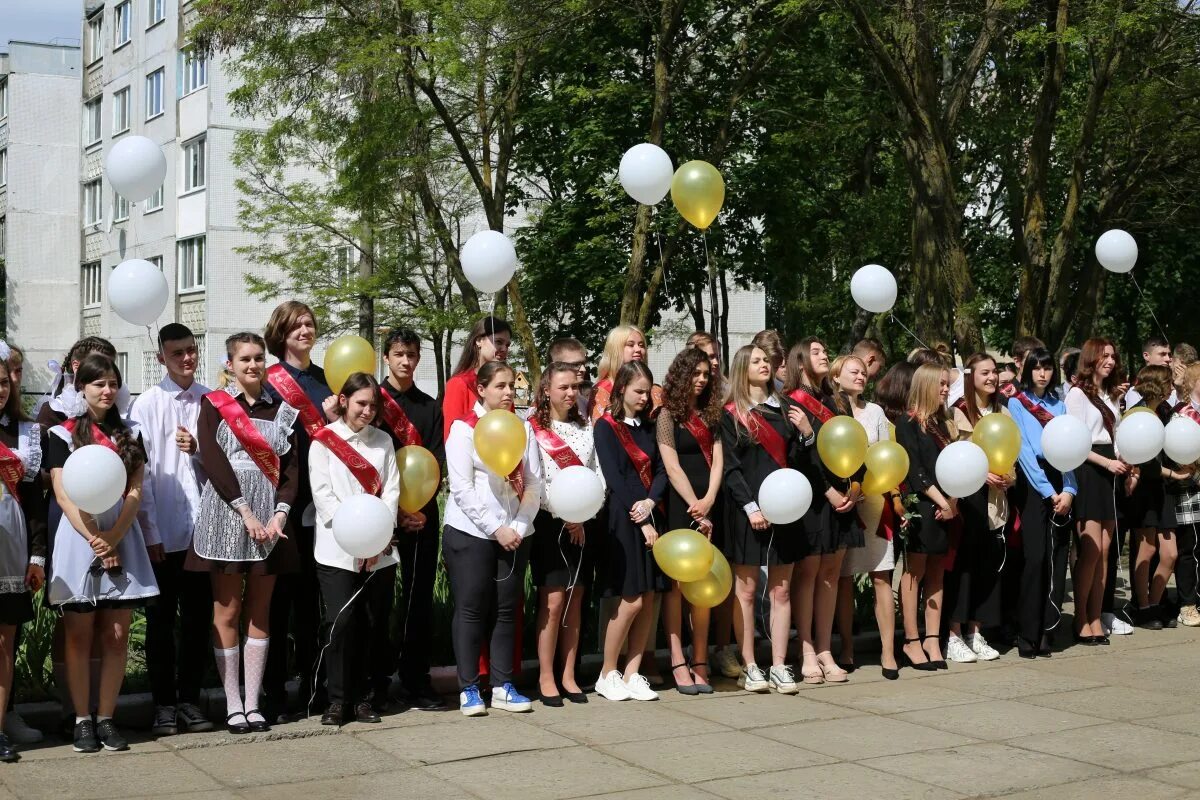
[506,697]
[470,703]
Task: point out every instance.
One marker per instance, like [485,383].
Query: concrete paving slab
[1011,683]
[1186,775]
[1118,703]
[747,710]
[407,784]
[465,738]
[989,768]
[1131,747]
[1118,786]
[833,782]
[290,760]
[105,775]
[606,722]
[895,697]
[858,738]
[692,759]
[996,720]
[657,793]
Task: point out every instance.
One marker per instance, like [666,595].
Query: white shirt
[482,502]
[332,482]
[1078,405]
[580,441]
[171,488]
[1133,397]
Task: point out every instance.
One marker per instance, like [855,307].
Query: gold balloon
[842,445]
[887,467]
[500,441]
[684,555]
[698,191]
[1000,438]
[1134,410]
[346,356]
[419,477]
[713,588]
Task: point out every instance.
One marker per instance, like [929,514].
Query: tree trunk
[366,268]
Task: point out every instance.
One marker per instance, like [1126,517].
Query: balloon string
[1149,306]
[574,576]
[712,282]
[658,238]
[896,320]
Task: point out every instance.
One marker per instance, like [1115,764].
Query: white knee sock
[227,667]
[255,654]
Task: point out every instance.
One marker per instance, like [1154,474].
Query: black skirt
[973,585]
[626,565]
[1095,500]
[926,535]
[775,546]
[1144,508]
[827,531]
[555,562]
[16,608]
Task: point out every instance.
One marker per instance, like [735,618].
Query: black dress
[1145,507]
[926,534]
[696,468]
[626,565]
[973,584]
[16,603]
[826,530]
[747,465]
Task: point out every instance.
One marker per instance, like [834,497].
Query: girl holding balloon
[100,570]
[488,341]
[247,444]
[687,431]
[495,476]
[830,525]
[351,457]
[1093,400]
[633,470]
[560,555]
[760,435]
[973,583]
[924,432]
[1043,496]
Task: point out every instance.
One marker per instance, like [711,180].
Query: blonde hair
[613,357]
[925,394]
[1191,377]
[835,371]
[739,382]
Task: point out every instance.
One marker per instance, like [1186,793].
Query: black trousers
[418,567]
[177,669]
[357,653]
[487,582]
[295,620]
[1036,611]
[1187,568]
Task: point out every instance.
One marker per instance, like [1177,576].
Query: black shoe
[423,698]
[85,737]
[364,713]
[1044,648]
[849,666]
[334,715]
[904,660]
[257,722]
[234,726]
[274,709]
[890,674]
[110,737]
[941,662]
[1168,614]
[1026,649]
[1149,618]
[579,698]
[8,753]
[552,700]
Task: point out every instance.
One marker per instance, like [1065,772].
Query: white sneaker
[612,687]
[959,651]
[752,679]
[639,688]
[982,650]
[19,730]
[1115,626]
[782,680]
[726,661]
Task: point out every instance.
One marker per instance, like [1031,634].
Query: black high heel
[941,662]
[905,660]
[890,674]
[690,689]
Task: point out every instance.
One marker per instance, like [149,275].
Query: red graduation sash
[1038,412]
[12,470]
[763,434]
[402,428]
[811,404]
[553,445]
[601,393]
[250,438]
[516,478]
[294,396]
[98,436]
[703,436]
[641,461]
[1010,389]
[1186,409]
[362,470]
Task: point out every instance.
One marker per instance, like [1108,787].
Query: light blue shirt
[1031,443]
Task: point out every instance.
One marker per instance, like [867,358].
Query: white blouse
[872,418]
[482,502]
[333,482]
[581,441]
[1078,405]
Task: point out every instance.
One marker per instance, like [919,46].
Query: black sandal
[690,690]
[941,662]
[238,728]
[903,658]
[703,688]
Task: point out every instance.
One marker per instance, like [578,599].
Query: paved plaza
[1112,722]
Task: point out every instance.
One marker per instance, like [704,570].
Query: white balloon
[135,167]
[646,173]
[1140,438]
[1182,443]
[874,288]
[784,496]
[362,525]
[1116,251]
[138,291]
[489,261]
[576,494]
[962,469]
[1066,442]
[94,478]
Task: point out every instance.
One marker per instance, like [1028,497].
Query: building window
[194,72]
[92,202]
[156,261]
[193,165]
[190,258]
[344,260]
[3,99]
[4,167]
[122,23]
[156,11]
[120,118]
[120,208]
[122,364]
[154,93]
[155,203]
[94,42]
[89,280]
[91,122]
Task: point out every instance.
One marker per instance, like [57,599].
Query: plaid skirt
[1187,508]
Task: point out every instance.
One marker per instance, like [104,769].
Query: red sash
[1036,411]
[98,436]
[250,438]
[703,436]
[294,396]
[641,461]
[516,478]
[1010,389]
[552,445]
[366,475]
[12,470]
[763,434]
[601,393]
[402,428]
[811,404]
[1188,410]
